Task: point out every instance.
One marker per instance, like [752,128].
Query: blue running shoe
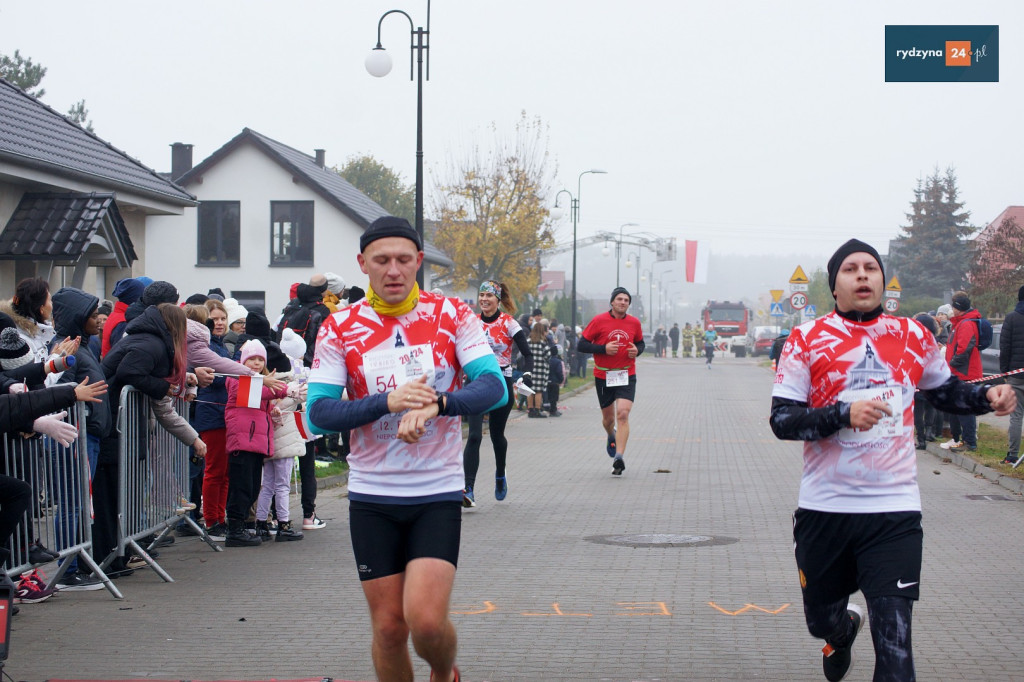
[500,488]
[611,446]
[467,498]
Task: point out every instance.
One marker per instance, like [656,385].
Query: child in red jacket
[250,439]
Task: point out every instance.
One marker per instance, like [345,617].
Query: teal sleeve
[486,366]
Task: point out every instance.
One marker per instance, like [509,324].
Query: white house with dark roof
[73,208]
[269,216]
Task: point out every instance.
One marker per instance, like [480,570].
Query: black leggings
[496,424]
[890,632]
[15,499]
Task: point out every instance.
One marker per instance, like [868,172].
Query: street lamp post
[574,203]
[378,63]
[618,250]
[629,264]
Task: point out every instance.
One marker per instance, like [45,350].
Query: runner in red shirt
[616,339]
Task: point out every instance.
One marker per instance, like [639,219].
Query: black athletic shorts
[837,554]
[607,395]
[386,537]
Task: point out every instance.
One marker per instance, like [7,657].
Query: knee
[428,627]
[391,633]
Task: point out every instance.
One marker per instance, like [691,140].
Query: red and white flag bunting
[250,391]
[300,424]
[696,262]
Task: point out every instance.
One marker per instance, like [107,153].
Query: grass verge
[991,451]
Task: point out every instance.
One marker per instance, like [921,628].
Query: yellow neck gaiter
[393,309]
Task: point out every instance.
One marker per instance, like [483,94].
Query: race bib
[887,427]
[387,369]
[617,377]
[506,371]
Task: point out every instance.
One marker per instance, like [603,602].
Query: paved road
[543,593]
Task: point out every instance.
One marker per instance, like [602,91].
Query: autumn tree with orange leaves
[491,210]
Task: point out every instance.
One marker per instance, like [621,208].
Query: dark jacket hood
[71,308]
[1019,308]
[134,310]
[152,322]
[307,293]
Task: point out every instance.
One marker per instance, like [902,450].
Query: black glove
[527,380]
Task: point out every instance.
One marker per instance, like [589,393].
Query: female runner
[502,331]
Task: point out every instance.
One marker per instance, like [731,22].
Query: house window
[251,300]
[219,233]
[291,233]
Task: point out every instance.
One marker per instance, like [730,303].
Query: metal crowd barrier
[153,481]
[60,516]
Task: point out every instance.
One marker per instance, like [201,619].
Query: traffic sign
[893,285]
[776,310]
[776,294]
[799,277]
[892,305]
[798,300]
[810,311]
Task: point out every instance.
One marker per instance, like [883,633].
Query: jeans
[1013,445]
[969,428]
[65,487]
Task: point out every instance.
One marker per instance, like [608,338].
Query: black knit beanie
[389,226]
[159,292]
[961,302]
[852,246]
[620,290]
[14,351]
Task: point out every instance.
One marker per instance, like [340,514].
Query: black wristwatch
[441,398]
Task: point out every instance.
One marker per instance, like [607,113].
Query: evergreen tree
[932,256]
[23,72]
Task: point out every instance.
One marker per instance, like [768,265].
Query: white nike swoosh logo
[902,585]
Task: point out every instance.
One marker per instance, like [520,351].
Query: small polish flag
[300,424]
[250,391]
[696,262]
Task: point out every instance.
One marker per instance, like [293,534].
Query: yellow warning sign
[894,284]
[799,277]
[776,295]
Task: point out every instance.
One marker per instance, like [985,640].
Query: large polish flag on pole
[696,262]
[250,391]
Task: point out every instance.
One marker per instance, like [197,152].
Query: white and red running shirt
[368,354]
[499,336]
[835,359]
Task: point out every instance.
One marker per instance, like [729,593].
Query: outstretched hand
[90,393]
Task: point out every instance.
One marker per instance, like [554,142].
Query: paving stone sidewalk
[682,569]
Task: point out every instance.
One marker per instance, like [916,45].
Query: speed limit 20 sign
[798,300]
[892,305]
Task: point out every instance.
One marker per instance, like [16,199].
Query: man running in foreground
[616,339]
[845,386]
[399,352]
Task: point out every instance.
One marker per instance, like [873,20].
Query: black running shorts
[608,395]
[837,554]
[386,537]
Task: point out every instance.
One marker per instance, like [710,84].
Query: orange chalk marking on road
[488,608]
[748,607]
[558,612]
[662,608]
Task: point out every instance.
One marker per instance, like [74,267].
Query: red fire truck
[729,319]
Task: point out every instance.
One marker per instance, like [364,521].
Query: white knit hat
[335,284]
[235,310]
[292,344]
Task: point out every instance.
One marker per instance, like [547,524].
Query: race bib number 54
[387,369]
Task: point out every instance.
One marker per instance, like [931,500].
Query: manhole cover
[661,540]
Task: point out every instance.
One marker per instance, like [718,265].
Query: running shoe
[457,678]
[467,498]
[618,466]
[950,444]
[313,522]
[30,592]
[79,582]
[611,445]
[837,662]
[500,488]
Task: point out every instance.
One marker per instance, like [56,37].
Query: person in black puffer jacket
[143,358]
[257,326]
[1011,357]
[156,293]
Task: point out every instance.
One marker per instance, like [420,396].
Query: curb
[1014,485]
